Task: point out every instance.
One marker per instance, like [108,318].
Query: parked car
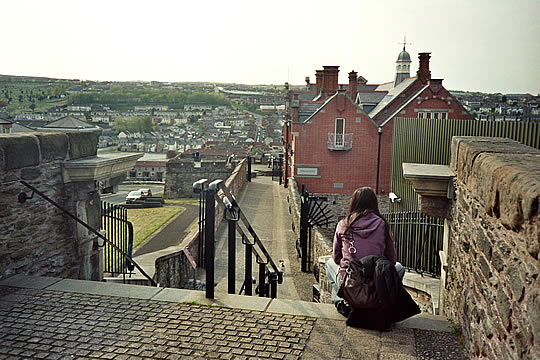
[133,195]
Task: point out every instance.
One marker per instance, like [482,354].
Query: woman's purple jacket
[369,239]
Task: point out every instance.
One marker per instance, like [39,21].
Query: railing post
[199,187]
[210,217]
[304,227]
[232,256]
[249,168]
[273,277]
[262,279]
[248,284]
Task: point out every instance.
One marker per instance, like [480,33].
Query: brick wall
[174,269]
[351,168]
[35,237]
[492,286]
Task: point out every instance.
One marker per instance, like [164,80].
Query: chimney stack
[330,79]
[423,70]
[353,76]
[318,79]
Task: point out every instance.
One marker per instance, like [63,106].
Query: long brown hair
[363,202]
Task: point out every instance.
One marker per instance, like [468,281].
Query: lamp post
[379,130]
[286,173]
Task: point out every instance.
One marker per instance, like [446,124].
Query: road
[120,197]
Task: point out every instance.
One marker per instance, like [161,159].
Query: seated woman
[363,232]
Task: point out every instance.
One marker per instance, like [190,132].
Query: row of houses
[338,137]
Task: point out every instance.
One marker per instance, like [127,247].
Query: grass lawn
[147,221]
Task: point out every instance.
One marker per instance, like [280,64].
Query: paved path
[264,203]
[51,318]
[171,234]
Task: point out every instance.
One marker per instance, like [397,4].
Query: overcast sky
[476,45]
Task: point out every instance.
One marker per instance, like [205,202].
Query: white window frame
[339,141]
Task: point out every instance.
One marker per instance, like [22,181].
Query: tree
[32,106]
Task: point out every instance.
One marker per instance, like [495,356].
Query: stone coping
[428,179]
[427,171]
[100,167]
[281,306]
[429,285]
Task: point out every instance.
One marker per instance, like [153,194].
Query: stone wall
[173,270]
[183,172]
[35,237]
[492,288]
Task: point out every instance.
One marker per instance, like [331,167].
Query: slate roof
[306,109]
[366,87]
[392,93]
[69,122]
[371,98]
[18,128]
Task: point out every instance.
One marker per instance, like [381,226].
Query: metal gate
[313,212]
[119,231]
[418,238]
[277,169]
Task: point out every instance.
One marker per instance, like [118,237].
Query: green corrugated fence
[428,141]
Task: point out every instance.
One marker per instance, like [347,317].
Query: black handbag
[357,288]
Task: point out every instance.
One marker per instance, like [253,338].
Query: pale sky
[476,45]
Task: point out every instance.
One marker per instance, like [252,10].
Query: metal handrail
[89,228]
[250,229]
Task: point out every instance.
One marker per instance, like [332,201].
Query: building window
[340,130]
[421,115]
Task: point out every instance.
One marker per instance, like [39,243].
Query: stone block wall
[492,288]
[35,237]
[174,269]
[183,172]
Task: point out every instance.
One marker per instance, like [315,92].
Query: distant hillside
[124,96]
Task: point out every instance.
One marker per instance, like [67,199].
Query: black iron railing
[269,273]
[418,239]
[119,231]
[22,197]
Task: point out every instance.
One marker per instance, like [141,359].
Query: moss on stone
[54,146]
[18,151]
[82,144]
[21,253]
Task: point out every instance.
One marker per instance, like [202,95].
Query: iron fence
[418,239]
[119,231]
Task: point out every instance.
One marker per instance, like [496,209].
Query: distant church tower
[403,66]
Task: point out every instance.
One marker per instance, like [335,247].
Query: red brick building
[339,136]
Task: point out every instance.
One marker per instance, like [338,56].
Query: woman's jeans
[332,272]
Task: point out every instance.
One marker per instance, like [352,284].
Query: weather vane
[405,42]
